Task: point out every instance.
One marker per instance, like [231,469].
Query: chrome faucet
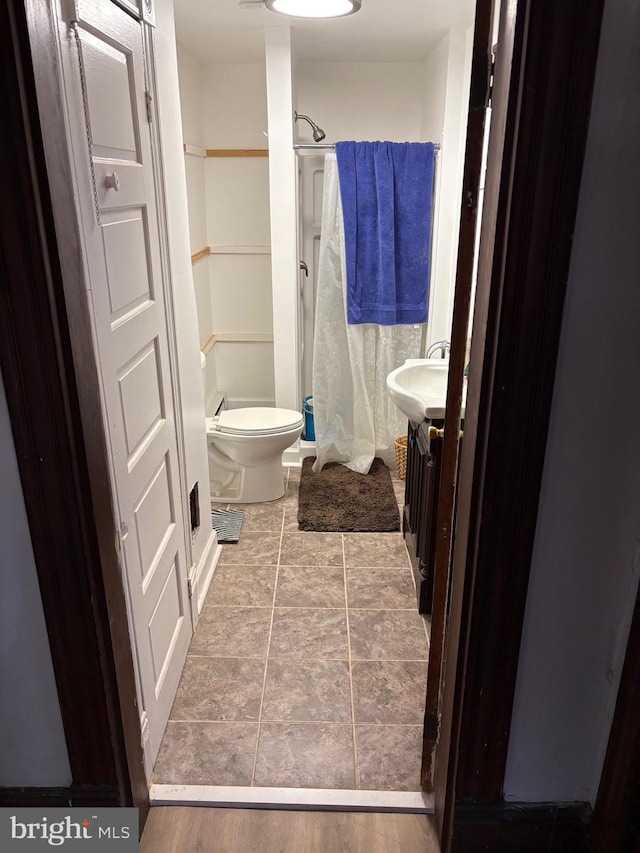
[443,346]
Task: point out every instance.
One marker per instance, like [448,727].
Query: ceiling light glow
[314,8]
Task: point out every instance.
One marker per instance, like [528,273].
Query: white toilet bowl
[245,452]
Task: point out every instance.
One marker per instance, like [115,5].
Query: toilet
[245,449]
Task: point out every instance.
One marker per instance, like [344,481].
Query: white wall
[434,93]
[186,321]
[32,744]
[235,104]
[284,219]
[360,100]
[191,84]
[587,549]
[459,45]
[390,101]
[234,110]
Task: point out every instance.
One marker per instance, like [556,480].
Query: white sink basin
[419,388]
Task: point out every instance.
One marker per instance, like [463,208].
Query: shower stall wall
[310,183]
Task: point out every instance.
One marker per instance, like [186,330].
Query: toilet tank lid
[259,419]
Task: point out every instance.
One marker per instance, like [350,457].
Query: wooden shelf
[196,151]
[229,250]
[237,152]
[200,254]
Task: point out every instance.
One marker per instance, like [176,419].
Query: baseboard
[526,827]
[248,402]
[307,448]
[76,795]
[203,574]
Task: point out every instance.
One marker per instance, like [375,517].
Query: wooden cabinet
[421,506]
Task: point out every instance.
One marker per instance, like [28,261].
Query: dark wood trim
[527,828]
[617,811]
[470,483]
[478,100]
[543,97]
[46,359]
[76,795]
[530,269]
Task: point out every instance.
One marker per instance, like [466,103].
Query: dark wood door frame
[479,93]
[616,819]
[46,357]
[542,98]
[522,283]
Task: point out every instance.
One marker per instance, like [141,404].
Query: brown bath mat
[340,500]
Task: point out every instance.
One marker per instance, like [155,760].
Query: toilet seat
[256,420]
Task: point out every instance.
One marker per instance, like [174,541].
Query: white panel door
[126,282]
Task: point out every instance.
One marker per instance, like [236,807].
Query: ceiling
[382,31]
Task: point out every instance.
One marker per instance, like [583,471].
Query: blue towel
[386,190]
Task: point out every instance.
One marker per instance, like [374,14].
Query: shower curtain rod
[309,146]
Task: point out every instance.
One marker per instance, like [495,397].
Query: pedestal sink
[419,388]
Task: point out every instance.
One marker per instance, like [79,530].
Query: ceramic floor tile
[260,549]
[375,549]
[290,501]
[294,477]
[381,588]
[398,488]
[292,490]
[291,518]
[304,586]
[308,633]
[236,620]
[206,754]
[315,755]
[219,689]
[262,517]
[242,585]
[387,635]
[232,632]
[389,757]
[389,691]
[311,549]
[307,690]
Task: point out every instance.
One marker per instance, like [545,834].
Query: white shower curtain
[354,416]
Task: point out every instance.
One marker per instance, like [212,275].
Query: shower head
[318,132]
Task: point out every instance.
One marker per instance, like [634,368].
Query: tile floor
[308,665]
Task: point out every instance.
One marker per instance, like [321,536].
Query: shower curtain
[355,418]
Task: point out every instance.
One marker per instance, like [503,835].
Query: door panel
[131,337]
[128,276]
[112,113]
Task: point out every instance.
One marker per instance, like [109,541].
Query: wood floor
[171,829]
